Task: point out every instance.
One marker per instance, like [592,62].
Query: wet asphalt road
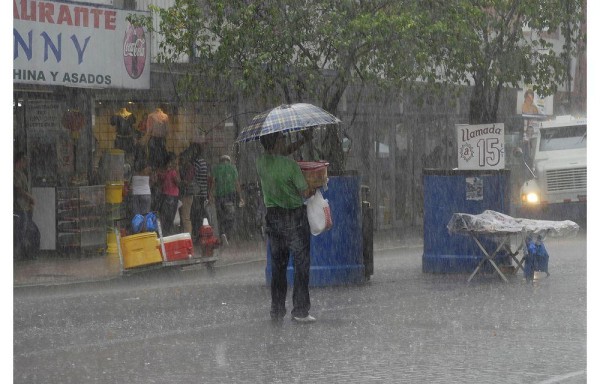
[402,326]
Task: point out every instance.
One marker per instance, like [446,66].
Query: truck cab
[558,162]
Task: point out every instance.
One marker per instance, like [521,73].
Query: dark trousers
[289,232]
[168,208]
[140,204]
[21,220]
[225,207]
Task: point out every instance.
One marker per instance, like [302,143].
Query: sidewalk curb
[197,267]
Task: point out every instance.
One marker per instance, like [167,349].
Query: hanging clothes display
[124,122]
[156,137]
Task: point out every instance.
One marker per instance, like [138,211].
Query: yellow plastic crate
[140,249]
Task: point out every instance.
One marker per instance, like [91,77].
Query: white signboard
[78,45]
[480,146]
[44,115]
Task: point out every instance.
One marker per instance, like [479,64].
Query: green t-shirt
[282,181]
[225,176]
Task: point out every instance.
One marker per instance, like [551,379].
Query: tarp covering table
[503,228]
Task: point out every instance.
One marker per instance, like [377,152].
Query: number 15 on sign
[480,146]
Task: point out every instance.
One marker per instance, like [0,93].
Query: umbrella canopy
[286,118]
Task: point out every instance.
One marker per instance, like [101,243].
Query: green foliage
[311,50]
[485,44]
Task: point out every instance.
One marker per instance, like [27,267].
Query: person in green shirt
[227,191]
[284,190]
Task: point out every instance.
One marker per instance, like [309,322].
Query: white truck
[558,189]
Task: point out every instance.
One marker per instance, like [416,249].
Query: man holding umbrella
[284,189]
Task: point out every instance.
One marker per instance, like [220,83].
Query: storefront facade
[75,66]
[64,54]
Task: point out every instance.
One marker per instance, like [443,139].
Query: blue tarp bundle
[537,258]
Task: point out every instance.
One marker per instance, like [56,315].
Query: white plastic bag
[319,214]
[177,220]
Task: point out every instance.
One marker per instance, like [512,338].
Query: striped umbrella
[286,118]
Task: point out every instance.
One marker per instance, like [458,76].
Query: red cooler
[178,247]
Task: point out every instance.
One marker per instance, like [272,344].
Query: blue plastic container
[537,258]
[335,256]
[452,191]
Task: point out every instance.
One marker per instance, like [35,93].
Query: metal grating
[566,179]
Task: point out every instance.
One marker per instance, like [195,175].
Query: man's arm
[293,147]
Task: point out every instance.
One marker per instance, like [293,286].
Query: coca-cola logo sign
[134,51]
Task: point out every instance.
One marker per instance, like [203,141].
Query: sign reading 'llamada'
[78,45]
[480,146]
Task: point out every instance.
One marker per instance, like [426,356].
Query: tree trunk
[484,103]
[334,151]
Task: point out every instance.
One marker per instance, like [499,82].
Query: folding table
[506,229]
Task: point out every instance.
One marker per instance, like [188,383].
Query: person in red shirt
[168,178]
